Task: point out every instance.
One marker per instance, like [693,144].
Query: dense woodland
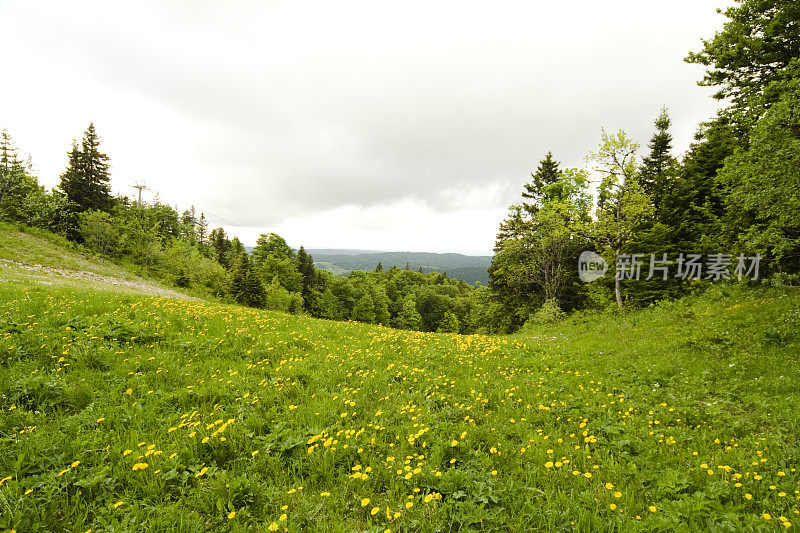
[735,191]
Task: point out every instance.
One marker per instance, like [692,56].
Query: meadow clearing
[133,413]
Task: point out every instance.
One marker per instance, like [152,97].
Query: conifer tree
[305,265]
[546,174]
[659,166]
[202,229]
[85,182]
[221,246]
[245,286]
[188,225]
[15,184]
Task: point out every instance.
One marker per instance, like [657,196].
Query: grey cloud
[294,116]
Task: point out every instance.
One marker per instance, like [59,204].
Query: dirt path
[61,276]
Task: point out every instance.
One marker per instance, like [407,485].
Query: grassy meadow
[136,413]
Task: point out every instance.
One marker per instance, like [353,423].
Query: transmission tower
[140,186]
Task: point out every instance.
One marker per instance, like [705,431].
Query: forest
[682,221]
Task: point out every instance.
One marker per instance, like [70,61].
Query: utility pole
[140,186]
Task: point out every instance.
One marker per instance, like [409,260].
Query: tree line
[181,248]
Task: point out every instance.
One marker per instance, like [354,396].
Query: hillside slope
[127,412]
[48,259]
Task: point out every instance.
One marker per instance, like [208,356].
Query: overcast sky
[381,125]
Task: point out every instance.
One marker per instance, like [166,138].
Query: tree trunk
[617,284]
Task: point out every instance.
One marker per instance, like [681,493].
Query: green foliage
[15,182]
[623,208]
[278,266]
[409,317]
[364,310]
[549,313]
[449,323]
[763,181]
[659,167]
[86,180]
[272,245]
[245,286]
[537,246]
[305,267]
[759,39]
[101,232]
[277,298]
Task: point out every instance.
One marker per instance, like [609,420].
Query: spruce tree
[202,229]
[221,246]
[305,266]
[245,286]
[85,182]
[658,167]
[188,223]
[15,184]
[546,174]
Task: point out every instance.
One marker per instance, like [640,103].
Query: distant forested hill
[465,267]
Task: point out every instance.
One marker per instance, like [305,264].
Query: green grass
[673,415]
[33,255]
[37,247]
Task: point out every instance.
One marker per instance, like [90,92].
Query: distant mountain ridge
[469,268]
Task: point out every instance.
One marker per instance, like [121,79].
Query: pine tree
[305,265]
[221,246]
[659,166]
[86,180]
[237,248]
[202,229]
[379,268]
[546,174]
[245,286]
[518,222]
[15,184]
[188,224]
